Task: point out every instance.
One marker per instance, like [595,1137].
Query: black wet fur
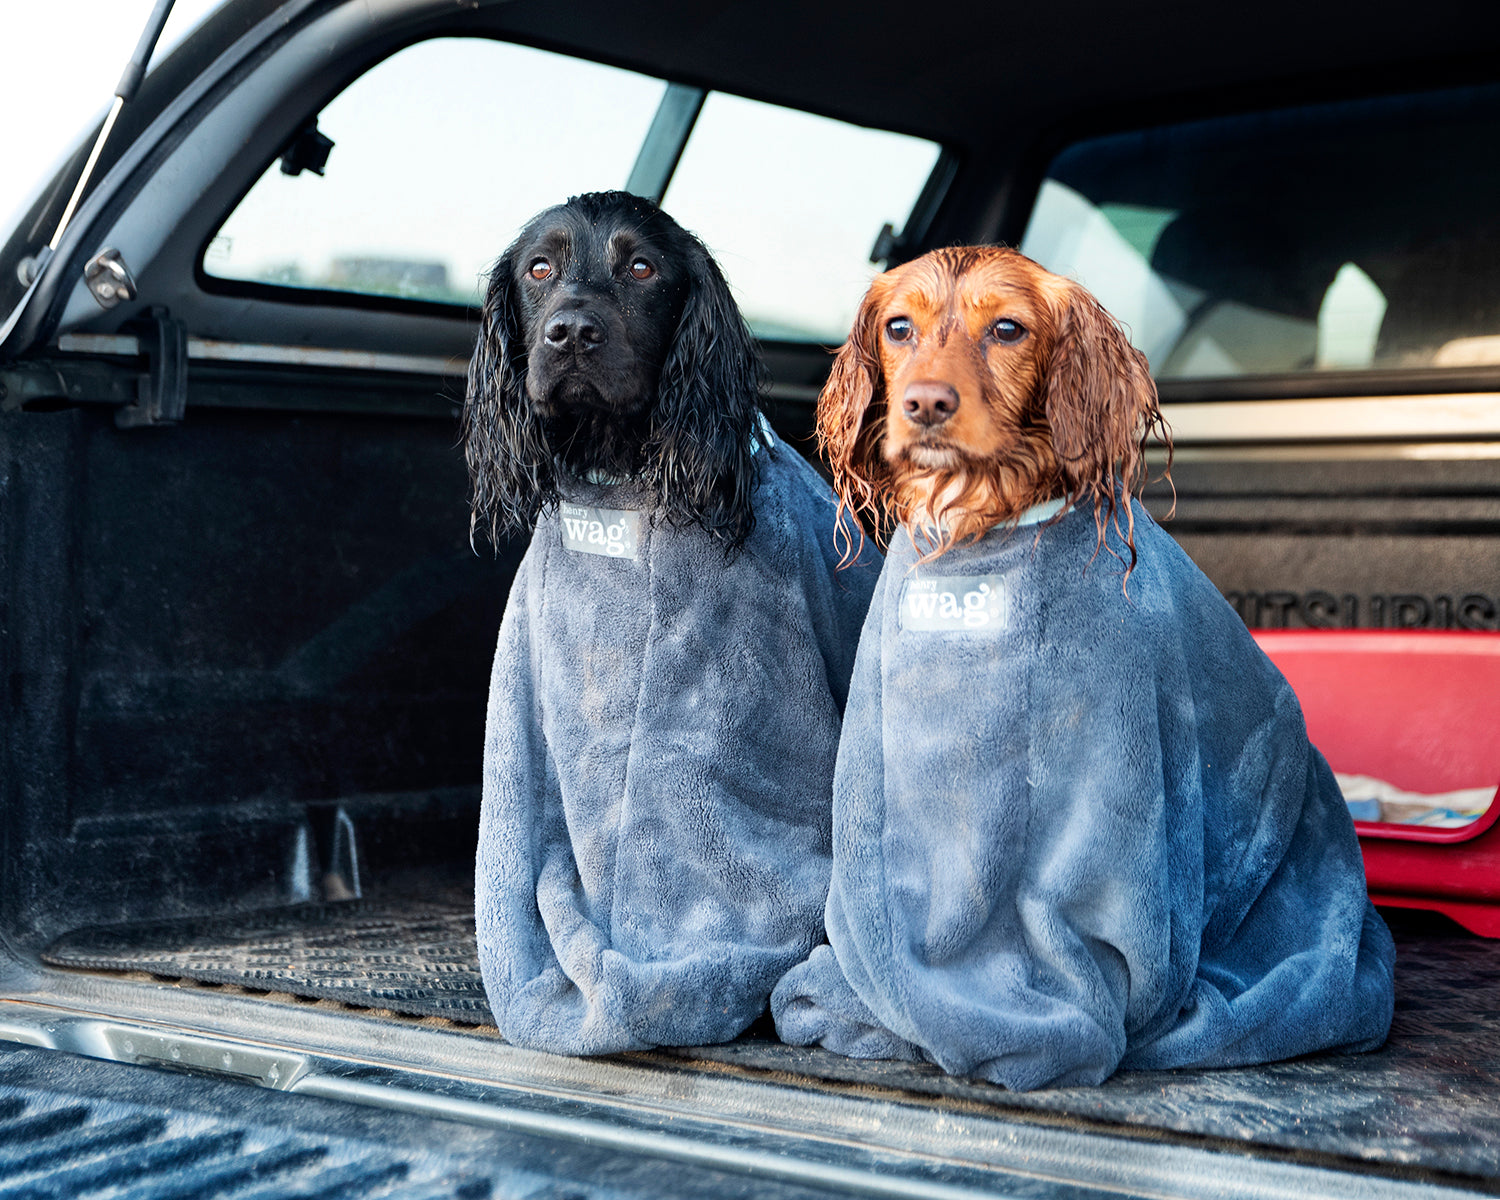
[664,389]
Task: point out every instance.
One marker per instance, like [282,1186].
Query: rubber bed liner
[1430,1099]
[415,957]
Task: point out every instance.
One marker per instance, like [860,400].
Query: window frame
[656,162]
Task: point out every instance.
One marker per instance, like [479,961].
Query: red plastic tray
[1421,710]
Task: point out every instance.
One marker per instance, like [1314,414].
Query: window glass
[1341,237]
[440,154]
[791,205]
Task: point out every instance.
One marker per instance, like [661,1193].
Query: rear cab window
[413,208]
[1350,237]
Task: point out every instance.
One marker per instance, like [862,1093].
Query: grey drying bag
[663,723]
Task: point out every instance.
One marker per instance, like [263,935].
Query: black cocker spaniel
[611,348]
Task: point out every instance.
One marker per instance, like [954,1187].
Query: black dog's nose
[576,327]
[928,402]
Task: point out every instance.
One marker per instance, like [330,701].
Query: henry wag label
[949,602]
[612,532]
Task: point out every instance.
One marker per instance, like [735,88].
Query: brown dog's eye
[540,268]
[898,329]
[641,269]
[1006,330]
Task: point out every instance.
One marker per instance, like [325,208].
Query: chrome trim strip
[1331,452]
[313,356]
[99,343]
[208,349]
[1419,418]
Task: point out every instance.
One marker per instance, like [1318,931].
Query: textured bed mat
[415,957]
[1430,1099]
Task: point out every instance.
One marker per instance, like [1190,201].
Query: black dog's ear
[510,465]
[706,422]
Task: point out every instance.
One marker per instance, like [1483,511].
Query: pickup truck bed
[256,740]
[1426,1103]
[245,643]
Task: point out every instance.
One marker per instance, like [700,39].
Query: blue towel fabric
[662,730]
[1077,829]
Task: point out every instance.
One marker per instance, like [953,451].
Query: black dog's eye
[540,268]
[1006,330]
[641,269]
[899,329]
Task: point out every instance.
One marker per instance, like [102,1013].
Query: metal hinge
[162,391]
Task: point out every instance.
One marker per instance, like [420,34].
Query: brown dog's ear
[1101,404]
[850,416]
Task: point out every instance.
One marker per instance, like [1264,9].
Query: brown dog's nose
[575,327]
[928,402]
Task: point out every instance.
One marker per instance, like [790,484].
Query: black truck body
[246,644]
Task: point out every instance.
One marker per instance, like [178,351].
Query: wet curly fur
[610,345]
[976,384]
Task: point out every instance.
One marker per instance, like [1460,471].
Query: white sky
[62,61]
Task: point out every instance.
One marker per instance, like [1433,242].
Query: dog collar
[1037,514]
[1044,511]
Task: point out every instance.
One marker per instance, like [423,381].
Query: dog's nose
[928,402]
[575,327]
